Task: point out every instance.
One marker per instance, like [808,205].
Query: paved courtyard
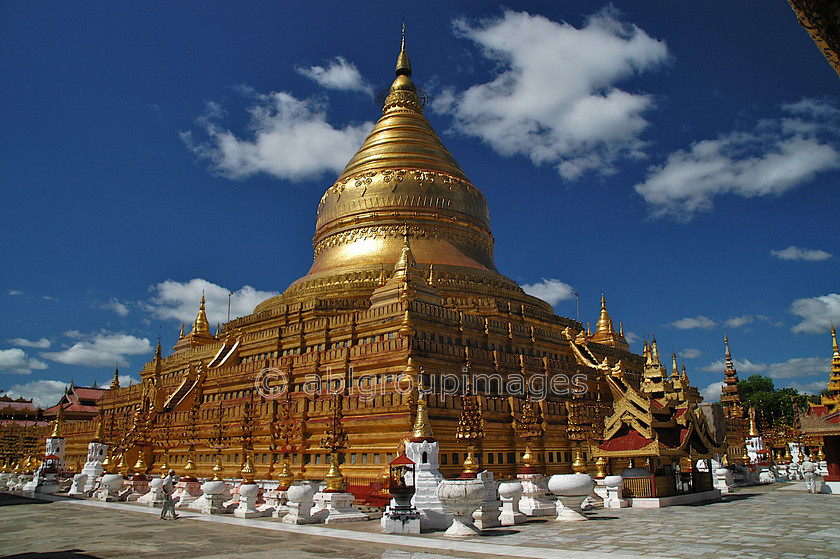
[780,521]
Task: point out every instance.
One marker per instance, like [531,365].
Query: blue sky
[681,157]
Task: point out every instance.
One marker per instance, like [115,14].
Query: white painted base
[332,508]
[186,492]
[687,499]
[533,501]
[396,521]
[831,487]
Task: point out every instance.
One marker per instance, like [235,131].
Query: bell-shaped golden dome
[402,181]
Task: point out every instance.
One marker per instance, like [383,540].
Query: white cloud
[17,362]
[816,313]
[100,349]
[814,387]
[632,337]
[775,157]
[738,321]
[712,392]
[43,343]
[49,298]
[796,367]
[800,367]
[552,291]
[338,74]
[14,292]
[180,300]
[288,138]
[554,99]
[44,393]
[690,353]
[743,366]
[796,253]
[114,305]
[699,321]
[126,380]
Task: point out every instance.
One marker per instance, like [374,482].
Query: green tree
[776,408]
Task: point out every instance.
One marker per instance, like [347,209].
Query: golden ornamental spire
[834,341]
[181,335]
[422,427]
[753,426]
[100,431]
[654,352]
[59,418]
[605,323]
[201,326]
[403,64]
[406,264]
[675,372]
[116,382]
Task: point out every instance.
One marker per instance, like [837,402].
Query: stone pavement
[779,521]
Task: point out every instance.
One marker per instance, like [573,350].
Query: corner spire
[834,341]
[201,326]
[116,382]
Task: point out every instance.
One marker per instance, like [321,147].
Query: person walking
[808,471]
[168,489]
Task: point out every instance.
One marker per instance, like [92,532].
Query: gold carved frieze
[394,231]
[392,178]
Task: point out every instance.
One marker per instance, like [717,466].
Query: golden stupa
[402,285]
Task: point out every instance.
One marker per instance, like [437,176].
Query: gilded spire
[59,418]
[181,335]
[753,426]
[605,323]
[406,263]
[201,326]
[654,352]
[674,371]
[403,64]
[422,427]
[100,431]
[116,382]
[834,341]
[158,352]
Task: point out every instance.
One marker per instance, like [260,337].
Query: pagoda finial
[158,351]
[403,64]
[181,335]
[116,382]
[674,371]
[834,341]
